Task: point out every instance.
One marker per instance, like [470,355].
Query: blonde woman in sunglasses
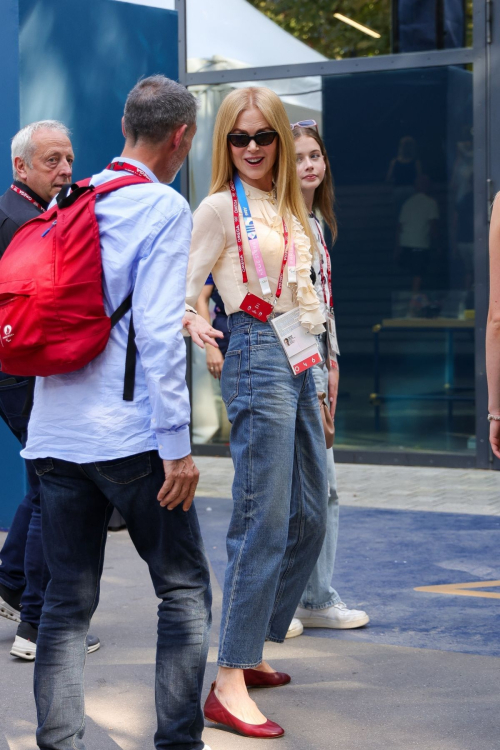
[252,233]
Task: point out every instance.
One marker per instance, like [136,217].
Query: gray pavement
[346,693]
[390,487]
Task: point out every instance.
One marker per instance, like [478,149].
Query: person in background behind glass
[418,236]
[215,357]
[321,606]
[404,170]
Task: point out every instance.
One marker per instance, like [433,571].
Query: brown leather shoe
[214,711]
[256,679]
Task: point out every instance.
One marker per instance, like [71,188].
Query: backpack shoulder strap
[130,357]
[69,194]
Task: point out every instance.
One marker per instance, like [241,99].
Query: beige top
[214,250]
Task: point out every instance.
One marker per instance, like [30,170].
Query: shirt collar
[23,186]
[139,164]
[256,194]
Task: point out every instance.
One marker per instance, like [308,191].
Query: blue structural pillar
[12,480]
[75,62]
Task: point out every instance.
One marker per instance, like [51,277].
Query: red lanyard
[328,268]
[239,242]
[123,166]
[27,197]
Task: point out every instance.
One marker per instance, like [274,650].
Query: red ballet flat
[215,712]
[256,679]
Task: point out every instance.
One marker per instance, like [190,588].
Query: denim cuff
[315,607]
[234,665]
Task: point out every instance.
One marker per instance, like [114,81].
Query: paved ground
[424,674]
[395,487]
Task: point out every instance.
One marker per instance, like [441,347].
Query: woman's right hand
[215,360]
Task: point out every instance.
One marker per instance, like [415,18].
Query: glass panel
[283,32]
[400,146]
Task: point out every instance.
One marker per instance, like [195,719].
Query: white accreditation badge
[331,330]
[300,346]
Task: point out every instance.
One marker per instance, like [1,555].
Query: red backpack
[52,317]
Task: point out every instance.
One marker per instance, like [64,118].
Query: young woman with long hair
[277,442]
[320,605]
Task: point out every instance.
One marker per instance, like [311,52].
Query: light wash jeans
[279,491]
[319,594]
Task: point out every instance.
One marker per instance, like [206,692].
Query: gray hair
[22,143]
[155,107]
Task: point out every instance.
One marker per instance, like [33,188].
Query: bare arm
[203,300]
[493,330]
[215,360]
[333,387]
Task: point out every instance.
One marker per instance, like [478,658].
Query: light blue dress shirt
[145,233]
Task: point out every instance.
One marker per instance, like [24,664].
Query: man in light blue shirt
[94,451]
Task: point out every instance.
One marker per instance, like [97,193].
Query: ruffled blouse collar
[256,194]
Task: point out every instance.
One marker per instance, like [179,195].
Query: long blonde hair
[289,194]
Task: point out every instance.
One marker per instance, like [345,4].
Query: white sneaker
[338,617]
[296,628]
[23,648]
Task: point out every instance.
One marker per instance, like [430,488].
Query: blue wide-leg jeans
[279,491]
[319,593]
[78,500]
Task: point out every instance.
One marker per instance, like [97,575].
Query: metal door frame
[486,105]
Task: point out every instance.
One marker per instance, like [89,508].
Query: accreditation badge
[256,307]
[331,329]
[300,346]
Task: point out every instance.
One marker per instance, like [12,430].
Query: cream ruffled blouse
[214,250]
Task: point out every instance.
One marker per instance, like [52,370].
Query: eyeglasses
[262,138]
[304,124]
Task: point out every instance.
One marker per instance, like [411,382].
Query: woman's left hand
[333,389]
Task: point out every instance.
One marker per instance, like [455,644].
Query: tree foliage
[313,22]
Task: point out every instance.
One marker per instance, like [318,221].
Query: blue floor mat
[383,555]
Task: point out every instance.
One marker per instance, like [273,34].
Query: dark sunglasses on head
[262,138]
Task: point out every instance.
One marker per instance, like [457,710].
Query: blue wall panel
[79,60]
[76,62]
[9,83]
[11,465]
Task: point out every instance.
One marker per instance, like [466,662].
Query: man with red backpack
[97,444]
[42,162]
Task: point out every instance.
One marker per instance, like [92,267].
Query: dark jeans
[23,564]
[78,500]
